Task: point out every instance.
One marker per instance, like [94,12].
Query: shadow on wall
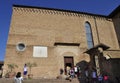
[83,64]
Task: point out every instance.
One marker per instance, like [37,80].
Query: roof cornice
[24,6]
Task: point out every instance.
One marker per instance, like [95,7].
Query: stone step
[8,80]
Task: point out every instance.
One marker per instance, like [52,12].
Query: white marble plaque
[39,51]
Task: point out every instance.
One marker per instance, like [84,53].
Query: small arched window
[89,35]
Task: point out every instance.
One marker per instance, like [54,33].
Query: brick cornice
[56,11]
[45,11]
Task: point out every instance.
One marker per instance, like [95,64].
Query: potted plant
[11,67]
[30,65]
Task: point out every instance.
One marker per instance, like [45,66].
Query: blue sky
[102,7]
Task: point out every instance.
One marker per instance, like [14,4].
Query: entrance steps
[8,80]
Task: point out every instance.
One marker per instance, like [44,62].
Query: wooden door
[68,61]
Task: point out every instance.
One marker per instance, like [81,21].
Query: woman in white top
[18,78]
[25,70]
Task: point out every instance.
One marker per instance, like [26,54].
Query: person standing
[61,71]
[86,75]
[67,70]
[94,76]
[105,78]
[72,73]
[100,79]
[25,70]
[76,71]
[18,78]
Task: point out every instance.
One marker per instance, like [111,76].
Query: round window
[21,46]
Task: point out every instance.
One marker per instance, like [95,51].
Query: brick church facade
[55,38]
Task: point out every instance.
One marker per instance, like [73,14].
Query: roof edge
[113,13]
[25,6]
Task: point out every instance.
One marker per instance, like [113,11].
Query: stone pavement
[9,80]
